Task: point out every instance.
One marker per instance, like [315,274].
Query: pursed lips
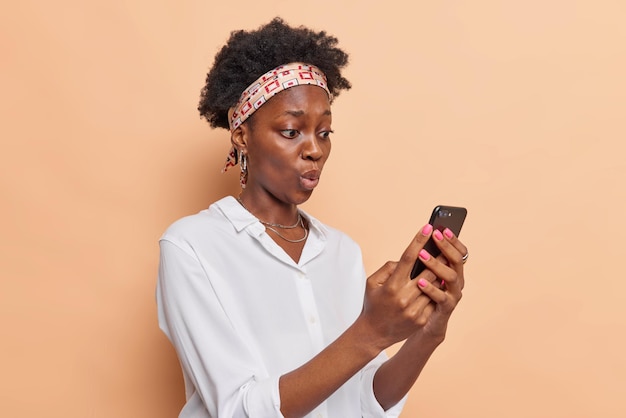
[310,179]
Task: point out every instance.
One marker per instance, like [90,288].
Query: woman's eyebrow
[298,113]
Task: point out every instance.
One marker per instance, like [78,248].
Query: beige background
[514,109]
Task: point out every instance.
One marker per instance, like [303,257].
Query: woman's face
[287,144]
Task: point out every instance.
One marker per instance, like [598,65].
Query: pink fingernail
[427,229]
[424,255]
[448,233]
[422,282]
[437,235]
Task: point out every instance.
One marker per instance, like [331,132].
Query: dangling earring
[243,164]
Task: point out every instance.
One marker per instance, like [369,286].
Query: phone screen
[451,217]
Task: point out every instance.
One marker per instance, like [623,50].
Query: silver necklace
[272,226]
[306,233]
[281,226]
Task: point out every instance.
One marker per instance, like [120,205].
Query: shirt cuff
[262,399]
[370,408]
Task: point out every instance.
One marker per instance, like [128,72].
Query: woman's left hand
[448,268]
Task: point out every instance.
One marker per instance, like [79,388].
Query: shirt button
[301,275]
[313,320]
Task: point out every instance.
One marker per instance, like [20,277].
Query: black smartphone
[451,217]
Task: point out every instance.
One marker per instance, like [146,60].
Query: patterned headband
[267,86]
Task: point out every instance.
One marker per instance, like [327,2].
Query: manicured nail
[424,255]
[422,282]
[427,229]
[448,233]
[437,235]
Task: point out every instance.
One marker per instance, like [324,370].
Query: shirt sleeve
[370,408]
[218,365]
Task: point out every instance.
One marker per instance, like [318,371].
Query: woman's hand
[449,268]
[396,307]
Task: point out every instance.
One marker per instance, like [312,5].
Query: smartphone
[451,217]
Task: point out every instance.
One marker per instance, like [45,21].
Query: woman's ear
[239,139]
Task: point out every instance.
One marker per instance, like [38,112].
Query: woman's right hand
[394,306]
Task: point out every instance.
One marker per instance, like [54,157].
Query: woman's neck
[269,210]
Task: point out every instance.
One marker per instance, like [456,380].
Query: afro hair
[249,54]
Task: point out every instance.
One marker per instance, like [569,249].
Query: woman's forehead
[299,100]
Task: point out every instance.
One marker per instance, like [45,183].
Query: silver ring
[464,258]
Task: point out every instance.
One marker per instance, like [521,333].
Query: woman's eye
[326,134]
[289,133]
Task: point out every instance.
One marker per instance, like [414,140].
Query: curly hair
[249,54]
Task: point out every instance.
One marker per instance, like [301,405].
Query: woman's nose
[312,149]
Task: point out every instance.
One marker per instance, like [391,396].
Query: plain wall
[512,109]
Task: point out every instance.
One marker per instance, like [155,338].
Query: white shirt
[241,313]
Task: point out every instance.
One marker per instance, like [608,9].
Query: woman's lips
[310,179]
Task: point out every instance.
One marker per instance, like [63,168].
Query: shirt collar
[235,213]
[240,218]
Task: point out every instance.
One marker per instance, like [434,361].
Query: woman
[269,309]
